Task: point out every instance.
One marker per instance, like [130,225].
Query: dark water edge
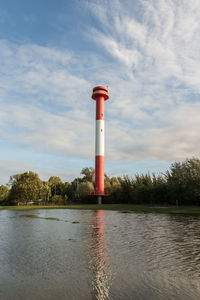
[80,254]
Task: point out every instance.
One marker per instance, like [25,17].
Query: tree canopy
[25,187]
[4,192]
[180,185]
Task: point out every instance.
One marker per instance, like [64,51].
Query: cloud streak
[159,53]
[149,56]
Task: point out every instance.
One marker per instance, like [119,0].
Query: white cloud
[150,61]
[42,72]
[38,129]
[159,55]
[165,41]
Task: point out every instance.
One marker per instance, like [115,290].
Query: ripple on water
[107,256]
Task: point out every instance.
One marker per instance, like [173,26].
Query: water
[74,254]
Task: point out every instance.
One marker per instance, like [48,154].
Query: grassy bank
[117,207]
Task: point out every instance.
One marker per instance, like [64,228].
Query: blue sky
[52,53]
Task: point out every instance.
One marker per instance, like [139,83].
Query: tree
[107,183]
[160,192]
[54,180]
[183,181]
[115,190]
[4,192]
[25,187]
[84,189]
[45,192]
[126,189]
[142,189]
[66,191]
[57,199]
[55,184]
[88,174]
[73,190]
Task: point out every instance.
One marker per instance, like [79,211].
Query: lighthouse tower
[100,94]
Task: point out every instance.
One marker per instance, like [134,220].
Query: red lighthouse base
[99,175]
[99,197]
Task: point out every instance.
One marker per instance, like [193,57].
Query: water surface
[75,254]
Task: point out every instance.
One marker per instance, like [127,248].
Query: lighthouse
[100,94]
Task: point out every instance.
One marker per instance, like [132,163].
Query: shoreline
[126,208]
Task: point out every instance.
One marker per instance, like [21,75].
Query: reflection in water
[107,255]
[100,258]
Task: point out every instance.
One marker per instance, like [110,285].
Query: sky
[53,52]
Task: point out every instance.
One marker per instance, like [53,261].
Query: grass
[126,208]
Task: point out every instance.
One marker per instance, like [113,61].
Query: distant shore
[126,208]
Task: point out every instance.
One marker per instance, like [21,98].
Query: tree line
[180,185]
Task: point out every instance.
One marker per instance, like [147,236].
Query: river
[83,255]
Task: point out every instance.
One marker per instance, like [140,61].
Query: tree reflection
[100,259]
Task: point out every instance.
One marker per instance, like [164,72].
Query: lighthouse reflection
[102,275]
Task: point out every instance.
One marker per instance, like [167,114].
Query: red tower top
[100,91]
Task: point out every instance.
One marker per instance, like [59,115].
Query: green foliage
[179,185]
[85,188]
[45,192]
[57,199]
[88,174]
[127,192]
[184,182]
[4,192]
[73,190]
[54,180]
[25,187]
[115,190]
[56,185]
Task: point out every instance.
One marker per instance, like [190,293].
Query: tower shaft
[99,147]
[100,94]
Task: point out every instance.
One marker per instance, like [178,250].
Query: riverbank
[118,207]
